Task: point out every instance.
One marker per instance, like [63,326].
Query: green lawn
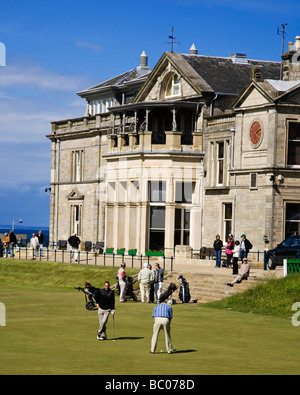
[49,331]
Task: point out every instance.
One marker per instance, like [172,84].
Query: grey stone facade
[223,128]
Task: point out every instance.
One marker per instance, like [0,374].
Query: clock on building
[256,134]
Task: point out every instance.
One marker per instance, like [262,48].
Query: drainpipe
[201,200]
[212,104]
[232,146]
[234,183]
[57,190]
[233,214]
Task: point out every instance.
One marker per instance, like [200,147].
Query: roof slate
[225,76]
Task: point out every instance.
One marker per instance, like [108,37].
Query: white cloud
[31,97]
[34,76]
[84,44]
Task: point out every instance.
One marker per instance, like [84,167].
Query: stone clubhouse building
[196,147]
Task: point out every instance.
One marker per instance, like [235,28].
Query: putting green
[48,331]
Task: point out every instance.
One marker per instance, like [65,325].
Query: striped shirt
[163,310]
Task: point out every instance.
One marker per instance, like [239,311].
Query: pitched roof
[224,75]
[137,74]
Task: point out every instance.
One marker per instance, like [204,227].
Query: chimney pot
[193,50]
[291,46]
[144,60]
[297,43]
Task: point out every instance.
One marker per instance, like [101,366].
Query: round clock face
[256,134]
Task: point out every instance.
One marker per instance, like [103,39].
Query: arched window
[173,87]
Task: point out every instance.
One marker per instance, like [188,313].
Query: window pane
[157,240]
[292,224]
[293,212]
[186,237]
[294,131]
[187,219]
[221,151]
[177,238]
[157,218]
[221,172]
[178,219]
[294,153]
[157,191]
[184,192]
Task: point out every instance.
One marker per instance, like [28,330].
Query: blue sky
[59,47]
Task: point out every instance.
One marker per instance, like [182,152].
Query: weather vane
[283,33]
[172,38]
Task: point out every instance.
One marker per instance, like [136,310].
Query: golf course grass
[48,331]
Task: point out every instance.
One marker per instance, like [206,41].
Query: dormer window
[173,87]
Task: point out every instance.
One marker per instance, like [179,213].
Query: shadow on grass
[129,338]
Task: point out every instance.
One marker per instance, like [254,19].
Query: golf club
[114,339]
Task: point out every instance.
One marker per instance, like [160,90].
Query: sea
[28,230]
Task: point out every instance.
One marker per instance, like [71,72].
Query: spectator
[244,274]
[34,243]
[246,246]
[229,250]
[218,245]
[6,242]
[1,249]
[236,255]
[12,244]
[74,242]
[41,243]
[145,279]
[158,281]
[122,282]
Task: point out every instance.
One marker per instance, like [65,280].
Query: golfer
[162,315]
[105,301]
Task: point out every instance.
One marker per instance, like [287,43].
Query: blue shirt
[163,310]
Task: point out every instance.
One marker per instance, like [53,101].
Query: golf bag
[168,292]
[90,303]
[184,290]
[129,294]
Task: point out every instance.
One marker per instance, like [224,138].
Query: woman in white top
[235,257]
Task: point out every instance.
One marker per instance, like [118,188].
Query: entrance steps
[207,288]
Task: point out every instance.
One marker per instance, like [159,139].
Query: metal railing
[92,257]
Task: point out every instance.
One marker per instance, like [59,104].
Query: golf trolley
[129,294]
[90,303]
[184,292]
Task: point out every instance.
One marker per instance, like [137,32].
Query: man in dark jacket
[246,246]
[105,300]
[12,244]
[218,245]
[74,242]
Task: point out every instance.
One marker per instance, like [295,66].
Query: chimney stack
[291,64]
[256,74]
